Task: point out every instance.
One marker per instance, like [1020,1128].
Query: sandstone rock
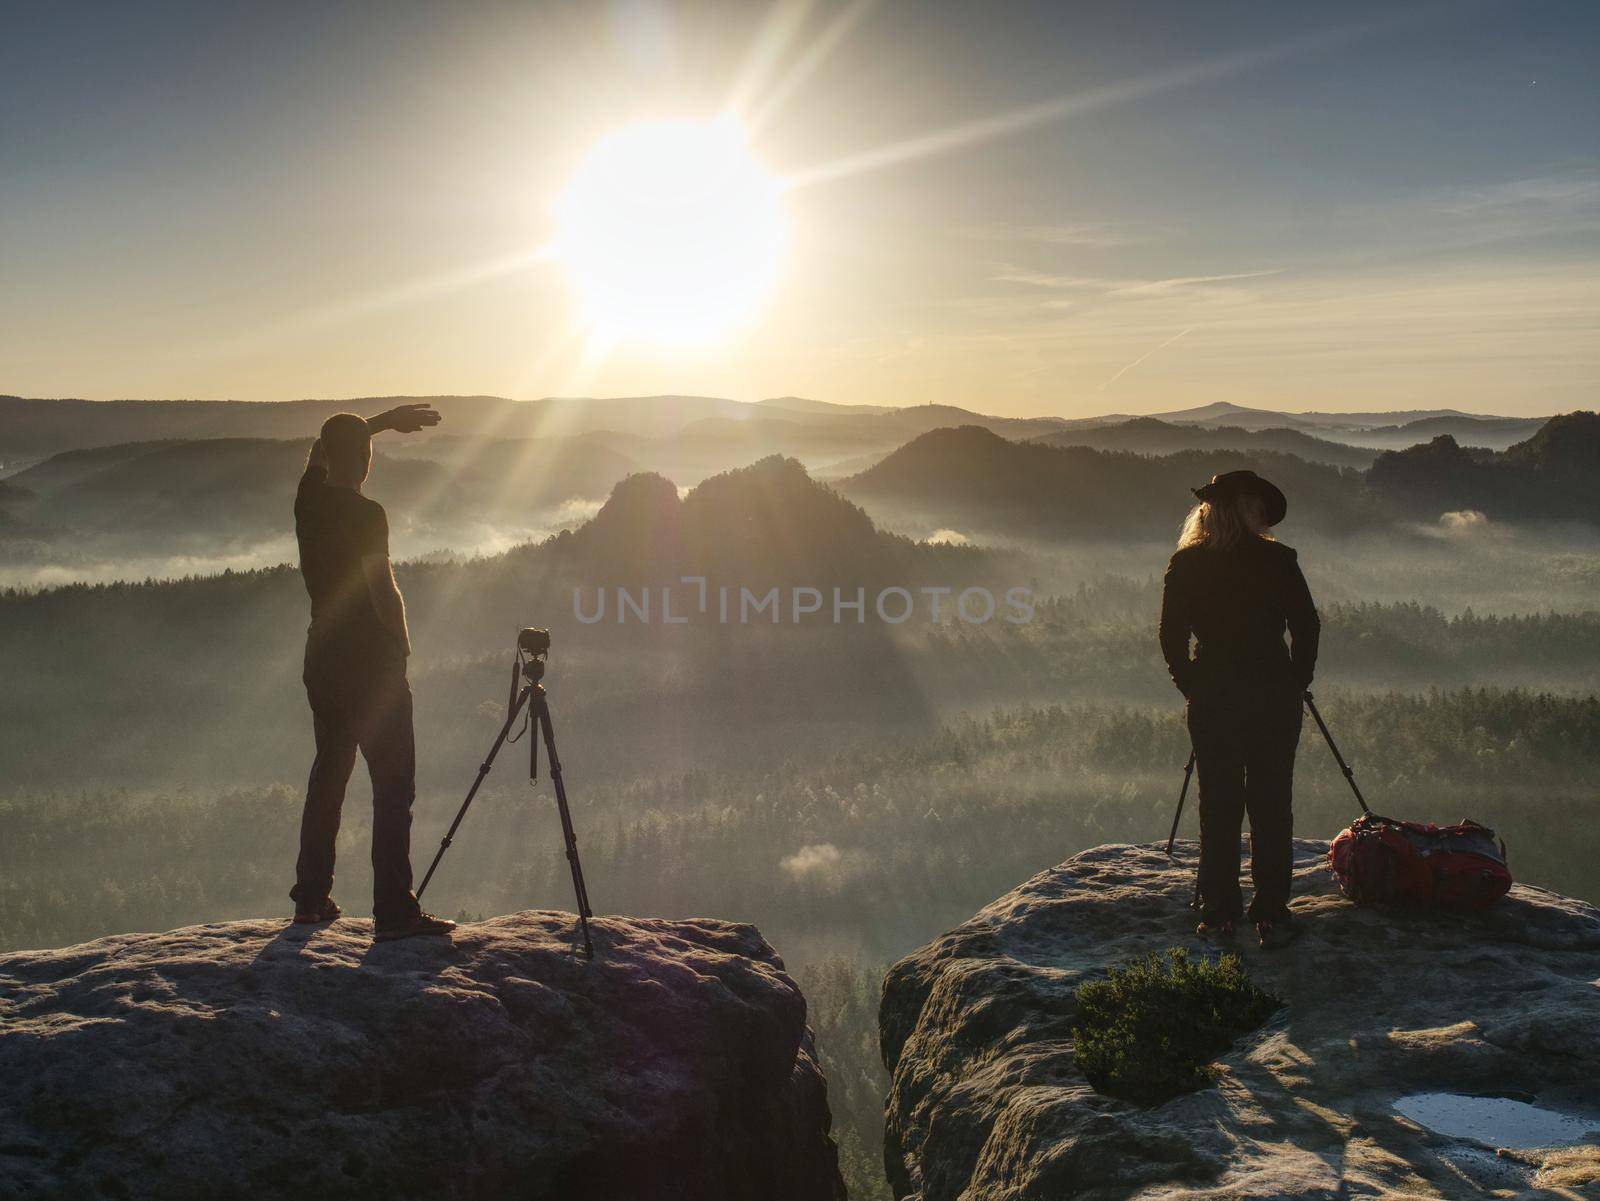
[987,1104]
[255,1059]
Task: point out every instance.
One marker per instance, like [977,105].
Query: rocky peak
[988,1103]
[254,1059]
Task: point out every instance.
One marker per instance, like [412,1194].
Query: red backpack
[1381,861]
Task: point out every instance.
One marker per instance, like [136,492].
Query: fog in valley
[853,786]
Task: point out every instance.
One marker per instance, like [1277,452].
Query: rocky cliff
[987,1104]
[250,1059]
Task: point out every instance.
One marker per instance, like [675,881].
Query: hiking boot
[1210,931]
[422,923]
[325,910]
[1279,932]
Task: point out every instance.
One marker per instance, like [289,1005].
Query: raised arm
[405,419]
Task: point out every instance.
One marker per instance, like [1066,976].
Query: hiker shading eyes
[355,674]
[1233,590]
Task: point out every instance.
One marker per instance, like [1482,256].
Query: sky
[1022,208]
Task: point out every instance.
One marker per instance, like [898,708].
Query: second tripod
[528,672]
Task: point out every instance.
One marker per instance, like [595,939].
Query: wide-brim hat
[1246,483]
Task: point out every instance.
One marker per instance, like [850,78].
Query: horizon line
[424,396]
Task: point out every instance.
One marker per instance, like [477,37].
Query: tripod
[529,671]
[1349,772]
[1188,770]
[1172,835]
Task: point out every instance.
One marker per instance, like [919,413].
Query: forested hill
[970,476]
[1550,476]
[768,521]
[1150,436]
[245,486]
[33,428]
[216,660]
[1373,428]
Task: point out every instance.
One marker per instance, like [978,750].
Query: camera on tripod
[530,701]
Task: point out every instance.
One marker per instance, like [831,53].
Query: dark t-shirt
[336,528]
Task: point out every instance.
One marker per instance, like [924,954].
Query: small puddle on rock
[1496,1121]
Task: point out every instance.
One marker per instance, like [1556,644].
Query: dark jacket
[1237,603]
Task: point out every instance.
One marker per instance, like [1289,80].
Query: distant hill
[238,487]
[801,404]
[35,428]
[497,468]
[66,470]
[1373,429]
[1148,436]
[14,528]
[647,416]
[691,436]
[1226,413]
[505,474]
[1550,476]
[970,478]
[700,449]
[709,442]
[844,468]
[218,657]
[11,494]
[1511,427]
[1492,433]
[244,487]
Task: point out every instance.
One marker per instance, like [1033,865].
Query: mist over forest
[852,781]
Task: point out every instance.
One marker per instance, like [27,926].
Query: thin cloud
[1154,349]
[1490,335]
[1086,234]
[1121,287]
[1545,195]
[1161,286]
[1428,223]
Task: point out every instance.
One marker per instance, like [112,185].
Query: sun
[672,232]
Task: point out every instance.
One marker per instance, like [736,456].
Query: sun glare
[672,232]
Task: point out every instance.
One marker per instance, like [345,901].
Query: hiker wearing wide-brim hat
[1231,485]
[1234,590]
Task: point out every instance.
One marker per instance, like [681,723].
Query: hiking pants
[370,713]
[1244,747]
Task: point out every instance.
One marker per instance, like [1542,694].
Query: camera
[534,642]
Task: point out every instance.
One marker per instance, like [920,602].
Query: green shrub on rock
[1147,1032]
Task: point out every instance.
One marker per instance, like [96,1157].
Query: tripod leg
[1188,770]
[568,834]
[1349,772]
[483,771]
